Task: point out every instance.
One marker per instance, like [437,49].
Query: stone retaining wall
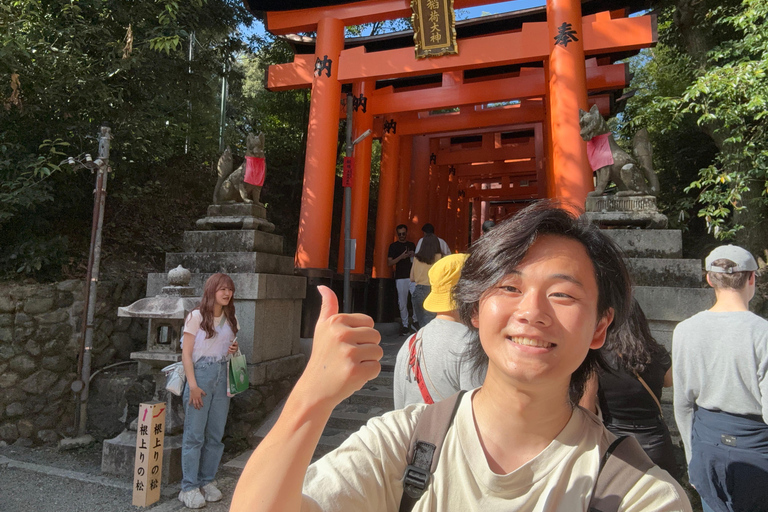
[39,343]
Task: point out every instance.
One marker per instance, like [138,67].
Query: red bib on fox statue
[599,152]
[255,170]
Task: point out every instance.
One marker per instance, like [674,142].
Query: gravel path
[43,479]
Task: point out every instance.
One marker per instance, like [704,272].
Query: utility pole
[223,116]
[189,91]
[350,246]
[101,167]
[349,256]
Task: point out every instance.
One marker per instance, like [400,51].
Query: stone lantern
[166,313]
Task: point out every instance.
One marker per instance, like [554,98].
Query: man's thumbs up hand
[345,352]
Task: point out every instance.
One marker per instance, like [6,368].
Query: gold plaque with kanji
[434,28]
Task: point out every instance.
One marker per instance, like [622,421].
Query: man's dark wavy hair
[497,253]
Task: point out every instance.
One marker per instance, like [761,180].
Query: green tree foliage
[702,94]
[68,65]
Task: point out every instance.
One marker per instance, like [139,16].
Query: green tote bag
[238,373]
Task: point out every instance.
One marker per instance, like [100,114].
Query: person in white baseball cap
[720,373]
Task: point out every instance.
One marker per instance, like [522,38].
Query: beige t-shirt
[365,473]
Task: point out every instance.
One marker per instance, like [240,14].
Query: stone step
[665,272]
[241,240]
[381,397]
[353,416]
[648,243]
[673,304]
[230,262]
[384,379]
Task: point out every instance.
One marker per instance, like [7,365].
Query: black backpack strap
[424,451]
[621,467]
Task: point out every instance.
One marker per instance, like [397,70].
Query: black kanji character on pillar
[362,101]
[139,485]
[159,428]
[565,35]
[390,125]
[153,484]
[144,430]
[324,64]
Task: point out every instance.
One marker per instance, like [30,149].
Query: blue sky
[474,12]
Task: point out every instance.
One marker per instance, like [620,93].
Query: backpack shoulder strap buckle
[415,481]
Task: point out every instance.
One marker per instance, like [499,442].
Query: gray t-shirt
[720,362]
[444,366]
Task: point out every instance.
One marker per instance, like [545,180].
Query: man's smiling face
[538,322]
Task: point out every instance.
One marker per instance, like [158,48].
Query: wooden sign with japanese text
[148,466]
[434,28]
[348,175]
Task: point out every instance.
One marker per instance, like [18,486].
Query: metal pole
[94,260]
[189,90]
[348,256]
[223,114]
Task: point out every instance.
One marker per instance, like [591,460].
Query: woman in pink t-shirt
[209,337]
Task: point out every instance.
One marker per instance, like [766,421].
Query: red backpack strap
[413,364]
[424,451]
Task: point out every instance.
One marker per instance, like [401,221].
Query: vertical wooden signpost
[148,466]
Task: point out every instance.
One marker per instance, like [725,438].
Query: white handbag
[175,378]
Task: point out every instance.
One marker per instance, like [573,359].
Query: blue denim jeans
[201,447]
[419,295]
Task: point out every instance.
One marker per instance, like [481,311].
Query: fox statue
[233,185]
[633,177]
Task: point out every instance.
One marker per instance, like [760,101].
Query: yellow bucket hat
[443,275]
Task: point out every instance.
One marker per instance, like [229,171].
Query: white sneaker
[192,499]
[211,492]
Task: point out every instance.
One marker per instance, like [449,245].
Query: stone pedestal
[236,216]
[118,456]
[268,296]
[624,211]
[235,239]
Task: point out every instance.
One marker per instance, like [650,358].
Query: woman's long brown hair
[215,283]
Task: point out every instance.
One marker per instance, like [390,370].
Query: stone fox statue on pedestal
[613,164]
[232,186]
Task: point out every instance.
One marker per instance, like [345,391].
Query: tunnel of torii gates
[465,137]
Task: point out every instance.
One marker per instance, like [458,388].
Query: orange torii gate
[536,80]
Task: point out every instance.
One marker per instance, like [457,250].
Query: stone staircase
[668,287]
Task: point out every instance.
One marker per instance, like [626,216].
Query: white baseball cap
[743,259]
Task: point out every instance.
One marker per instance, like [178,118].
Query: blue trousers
[201,447]
[729,461]
[419,295]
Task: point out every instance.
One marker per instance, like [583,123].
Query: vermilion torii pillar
[571,177]
[320,164]
[402,207]
[362,120]
[385,211]
[420,184]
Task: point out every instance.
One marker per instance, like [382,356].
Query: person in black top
[629,389]
[400,256]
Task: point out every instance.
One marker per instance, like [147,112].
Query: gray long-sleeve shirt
[720,363]
[444,366]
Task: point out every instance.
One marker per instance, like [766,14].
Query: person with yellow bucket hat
[431,365]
